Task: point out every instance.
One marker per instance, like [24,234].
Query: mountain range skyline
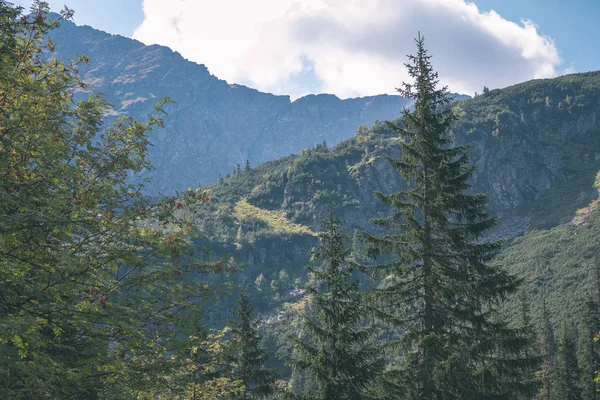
[494,43]
[212,125]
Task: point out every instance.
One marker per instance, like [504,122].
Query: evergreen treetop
[245,355]
[338,354]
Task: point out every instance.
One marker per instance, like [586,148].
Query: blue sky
[573,24]
[113,16]
[247,50]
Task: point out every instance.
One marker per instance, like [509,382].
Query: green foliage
[91,288]
[587,351]
[547,347]
[530,99]
[99,285]
[556,266]
[566,371]
[277,222]
[336,351]
[245,355]
[197,374]
[531,351]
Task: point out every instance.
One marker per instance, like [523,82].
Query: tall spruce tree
[339,355]
[440,290]
[245,355]
[564,384]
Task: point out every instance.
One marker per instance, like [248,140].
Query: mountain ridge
[214,124]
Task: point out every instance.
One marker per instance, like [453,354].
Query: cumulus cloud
[348,47]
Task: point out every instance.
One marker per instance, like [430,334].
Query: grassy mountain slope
[535,147]
[557,265]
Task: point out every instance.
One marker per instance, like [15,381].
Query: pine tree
[339,355]
[530,352]
[245,356]
[587,355]
[441,291]
[564,384]
[525,310]
[548,350]
[247,166]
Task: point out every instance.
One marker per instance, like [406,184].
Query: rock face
[214,125]
[535,148]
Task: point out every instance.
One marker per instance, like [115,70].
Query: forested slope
[535,148]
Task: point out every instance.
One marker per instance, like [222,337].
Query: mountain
[214,125]
[535,148]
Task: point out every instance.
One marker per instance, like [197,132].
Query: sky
[357,47]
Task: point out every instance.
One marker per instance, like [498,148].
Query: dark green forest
[450,253]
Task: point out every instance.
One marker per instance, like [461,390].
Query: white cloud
[349,47]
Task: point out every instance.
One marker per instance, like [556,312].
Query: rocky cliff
[214,125]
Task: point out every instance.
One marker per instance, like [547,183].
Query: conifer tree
[548,350]
[524,311]
[339,355]
[564,384]
[530,352]
[247,166]
[587,355]
[440,290]
[245,355]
